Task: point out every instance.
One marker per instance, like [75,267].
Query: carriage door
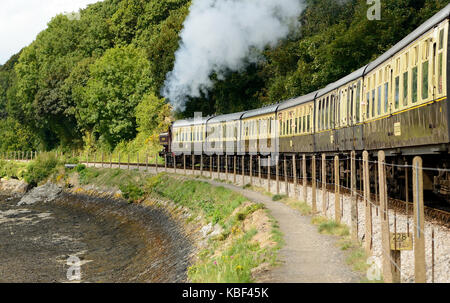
[357,117]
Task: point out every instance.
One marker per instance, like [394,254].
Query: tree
[117,83]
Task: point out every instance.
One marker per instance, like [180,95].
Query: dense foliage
[96,82]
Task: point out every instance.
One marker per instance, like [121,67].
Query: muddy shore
[115,241]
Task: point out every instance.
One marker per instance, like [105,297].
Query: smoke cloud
[221,36]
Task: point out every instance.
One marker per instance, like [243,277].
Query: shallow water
[115,241]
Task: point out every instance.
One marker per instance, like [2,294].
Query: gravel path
[307,255]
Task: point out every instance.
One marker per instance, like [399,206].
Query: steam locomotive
[397,103]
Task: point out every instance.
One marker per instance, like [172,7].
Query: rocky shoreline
[195,231]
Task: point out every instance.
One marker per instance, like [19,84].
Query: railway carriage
[259,127]
[224,134]
[296,118]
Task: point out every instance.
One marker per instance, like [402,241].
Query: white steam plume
[220,36]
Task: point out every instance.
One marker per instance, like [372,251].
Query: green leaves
[116,85]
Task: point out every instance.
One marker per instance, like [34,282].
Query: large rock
[44,193]
[13,186]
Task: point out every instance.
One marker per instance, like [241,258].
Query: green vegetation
[233,266]
[330,227]
[36,171]
[94,84]
[217,203]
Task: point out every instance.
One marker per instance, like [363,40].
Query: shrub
[41,168]
[132,192]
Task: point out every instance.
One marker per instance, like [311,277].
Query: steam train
[397,103]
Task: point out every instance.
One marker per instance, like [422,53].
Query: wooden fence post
[314,196]
[218,166]
[193,164]
[390,273]
[337,196]
[137,160]
[259,171]
[324,184]
[174,163]
[277,173]
[184,164]
[226,167]
[268,173]
[234,169]
[294,174]
[368,204]
[156,162]
[102,159]
[211,167]
[243,170]
[251,170]
[201,165]
[354,205]
[165,162]
[419,224]
[286,185]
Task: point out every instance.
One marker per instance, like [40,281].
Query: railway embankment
[232,238]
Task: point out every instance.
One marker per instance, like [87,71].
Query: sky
[22,20]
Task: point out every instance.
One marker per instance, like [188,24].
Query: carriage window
[440,68]
[386,97]
[368,105]
[308,125]
[304,123]
[379,101]
[441,39]
[414,85]
[373,103]
[348,105]
[358,102]
[405,89]
[320,116]
[397,92]
[328,112]
[425,80]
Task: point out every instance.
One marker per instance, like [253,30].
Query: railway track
[438,215]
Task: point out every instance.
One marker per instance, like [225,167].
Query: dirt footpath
[307,255]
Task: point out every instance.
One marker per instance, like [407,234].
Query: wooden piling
[324,184]
[419,224]
[354,205]
[251,170]
[234,169]
[305,196]
[337,198]
[368,204]
[314,194]
[243,170]
[387,253]
[294,174]
[286,185]
[277,174]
